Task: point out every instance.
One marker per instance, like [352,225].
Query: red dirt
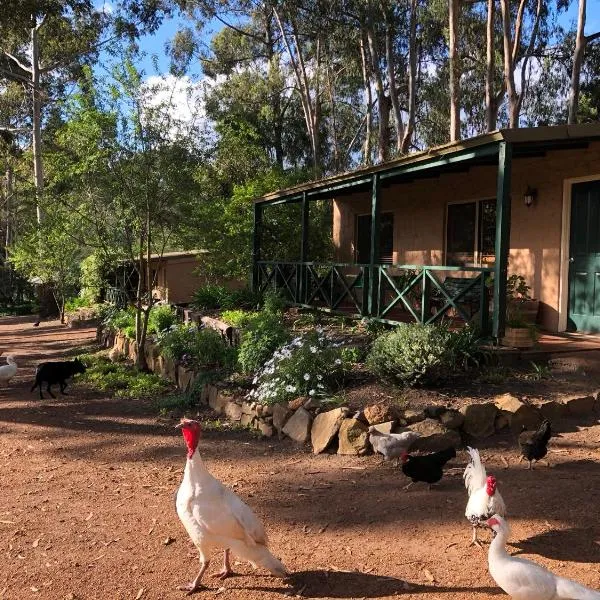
[86,509]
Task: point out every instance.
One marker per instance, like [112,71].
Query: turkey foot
[226,570]
[195,585]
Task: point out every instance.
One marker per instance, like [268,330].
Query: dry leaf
[140,594]
[36,542]
[348,550]
[504,461]
[428,575]
[7,522]
[34,589]
[89,516]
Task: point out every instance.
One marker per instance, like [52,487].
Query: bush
[200,348]
[122,319]
[273,302]
[161,318]
[73,304]
[415,354]
[261,335]
[237,318]
[242,298]
[211,297]
[309,365]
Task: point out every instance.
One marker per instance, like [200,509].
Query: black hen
[427,468]
[534,444]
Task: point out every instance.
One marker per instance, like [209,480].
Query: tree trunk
[38,170]
[491,110]
[454,72]
[9,189]
[368,101]
[580,43]
[412,79]
[392,88]
[509,68]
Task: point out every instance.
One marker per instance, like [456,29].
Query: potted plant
[521,314]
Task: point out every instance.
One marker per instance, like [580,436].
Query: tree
[453,14]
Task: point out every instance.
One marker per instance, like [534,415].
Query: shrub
[201,348]
[210,296]
[242,298]
[273,302]
[415,354]
[161,318]
[237,318]
[77,302]
[262,334]
[309,365]
[123,319]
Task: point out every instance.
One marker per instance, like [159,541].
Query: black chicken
[427,468]
[534,444]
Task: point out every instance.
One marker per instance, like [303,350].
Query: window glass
[386,238]
[487,231]
[460,233]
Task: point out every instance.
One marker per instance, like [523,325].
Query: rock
[185,378]
[267,410]
[265,428]
[518,413]
[246,420]
[479,419]
[281,413]
[501,422]
[297,403]
[210,393]
[354,437]
[312,404]
[126,346]
[217,400]
[451,418]
[233,411]
[379,413]
[248,408]
[114,355]
[578,405]
[434,436]
[133,351]
[386,427]
[325,427]
[298,426]
[552,410]
[412,415]
[434,411]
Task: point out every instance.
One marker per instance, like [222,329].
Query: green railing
[391,293]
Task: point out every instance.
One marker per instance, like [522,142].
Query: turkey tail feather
[260,556]
[566,589]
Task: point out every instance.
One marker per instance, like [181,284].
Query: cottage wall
[535,241]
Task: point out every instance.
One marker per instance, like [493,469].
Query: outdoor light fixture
[529,196]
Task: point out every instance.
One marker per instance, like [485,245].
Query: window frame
[355,236]
[477,253]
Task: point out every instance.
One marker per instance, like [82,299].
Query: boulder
[233,411]
[354,437]
[434,436]
[296,403]
[501,422]
[325,427]
[133,351]
[412,415]
[552,410]
[298,426]
[579,405]
[210,393]
[479,419]
[387,427]
[267,410]
[281,413]
[185,378]
[217,400]
[114,355]
[249,408]
[265,428]
[451,418]
[519,414]
[379,413]
[247,420]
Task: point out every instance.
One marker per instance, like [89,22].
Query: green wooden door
[584,258]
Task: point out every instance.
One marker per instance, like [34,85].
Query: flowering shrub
[309,365]
[201,348]
[262,334]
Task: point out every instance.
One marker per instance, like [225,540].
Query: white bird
[523,579]
[392,445]
[8,371]
[484,499]
[215,517]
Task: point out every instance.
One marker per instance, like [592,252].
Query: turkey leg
[226,570]
[192,587]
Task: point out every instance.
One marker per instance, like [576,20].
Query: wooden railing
[391,293]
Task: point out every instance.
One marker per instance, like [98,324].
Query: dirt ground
[86,504]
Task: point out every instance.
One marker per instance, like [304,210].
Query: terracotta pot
[518,337]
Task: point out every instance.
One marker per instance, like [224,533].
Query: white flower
[290,388]
[313,349]
[306,376]
[319,377]
[255,380]
[311,393]
[337,361]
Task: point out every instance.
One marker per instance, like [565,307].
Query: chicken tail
[260,556]
[566,588]
[474,474]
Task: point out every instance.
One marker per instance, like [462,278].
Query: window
[471,233]
[363,239]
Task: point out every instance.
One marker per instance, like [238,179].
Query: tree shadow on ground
[576,544]
[353,584]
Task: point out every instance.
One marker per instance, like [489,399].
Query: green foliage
[27,308]
[120,320]
[237,318]
[161,318]
[210,296]
[310,365]
[262,334]
[77,302]
[121,379]
[92,279]
[517,288]
[540,371]
[415,354]
[273,302]
[199,348]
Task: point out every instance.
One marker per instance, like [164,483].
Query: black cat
[56,372]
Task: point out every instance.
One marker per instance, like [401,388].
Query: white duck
[484,498]
[8,371]
[522,579]
[215,517]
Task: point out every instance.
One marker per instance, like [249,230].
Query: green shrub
[200,348]
[242,298]
[415,354]
[273,302]
[119,319]
[237,318]
[309,365]
[77,302]
[211,296]
[161,318]
[262,334]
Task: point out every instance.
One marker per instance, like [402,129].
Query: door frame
[565,246]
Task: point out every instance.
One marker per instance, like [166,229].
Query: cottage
[436,234]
